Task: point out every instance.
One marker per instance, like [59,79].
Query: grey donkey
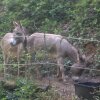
[57,45]
[9,51]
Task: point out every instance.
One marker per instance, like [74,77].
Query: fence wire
[41,63]
[82,39]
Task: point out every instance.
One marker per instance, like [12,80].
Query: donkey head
[19,34]
[86,60]
[78,68]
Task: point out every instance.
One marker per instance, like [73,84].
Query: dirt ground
[65,90]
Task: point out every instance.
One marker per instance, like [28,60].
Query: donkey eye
[18,33]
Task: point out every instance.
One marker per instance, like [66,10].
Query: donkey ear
[83,58]
[20,24]
[17,24]
[90,57]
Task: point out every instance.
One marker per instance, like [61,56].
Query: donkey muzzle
[13,42]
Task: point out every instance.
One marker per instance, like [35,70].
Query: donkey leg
[18,67]
[61,66]
[5,64]
[38,75]
[58,72]
[18,61]
[4,67]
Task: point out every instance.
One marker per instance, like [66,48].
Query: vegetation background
[71,18]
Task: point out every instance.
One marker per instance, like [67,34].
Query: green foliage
[47,15]
[24,91]
[27,90]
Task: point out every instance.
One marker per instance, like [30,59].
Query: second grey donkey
[9,51]
[57,45]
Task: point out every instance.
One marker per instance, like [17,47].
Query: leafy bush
[25,90]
